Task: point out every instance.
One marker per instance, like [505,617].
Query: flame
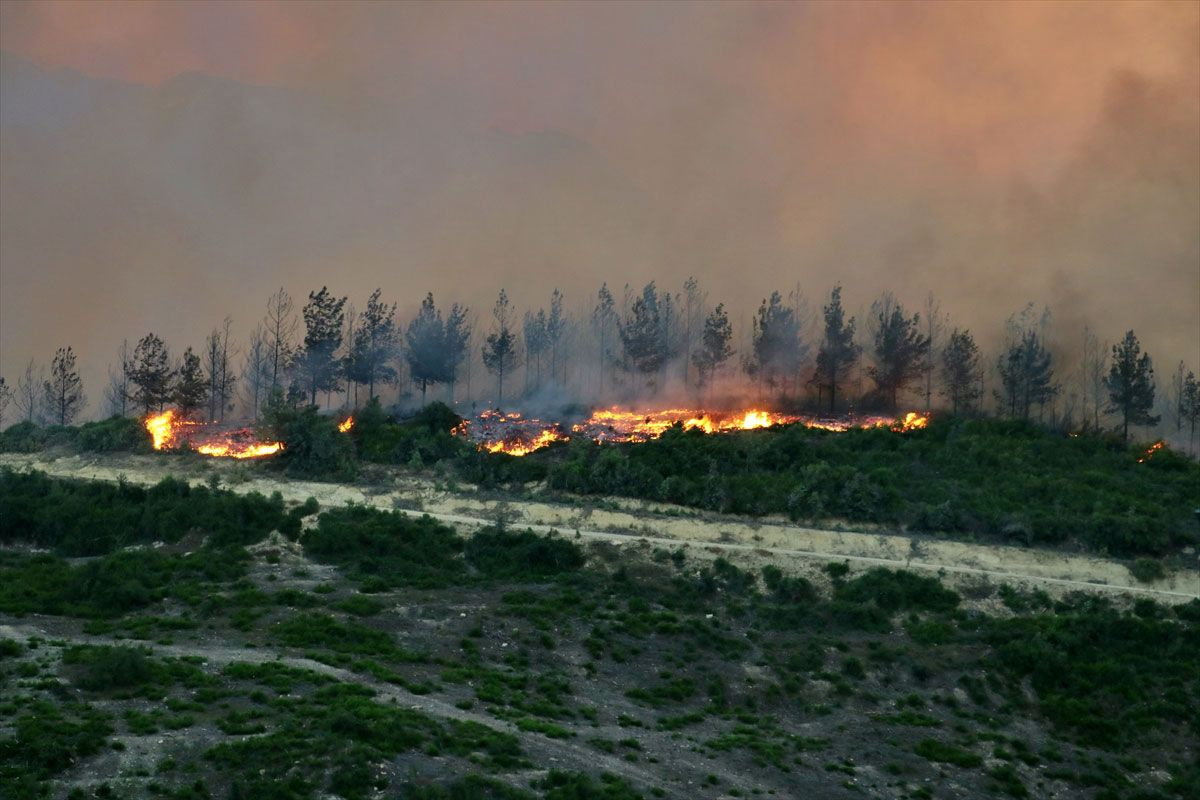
[161,428]
[911,422]
[344,427]
[169,431]
[511,433]
[1151,450]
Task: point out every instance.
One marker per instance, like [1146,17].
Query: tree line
[647,343]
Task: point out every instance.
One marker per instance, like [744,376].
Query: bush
[519,556]
[123,434]
[1148,570]
[389,548]
[88,518]
[944,753]
[313,447]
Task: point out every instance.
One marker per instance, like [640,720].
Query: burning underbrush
[170,431]
[518,435]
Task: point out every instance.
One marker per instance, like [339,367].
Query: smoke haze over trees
[172,178]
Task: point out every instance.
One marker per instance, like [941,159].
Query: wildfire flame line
[516,435]
[169,431]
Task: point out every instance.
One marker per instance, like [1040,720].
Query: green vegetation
[1005,480]
[87,518]
[117,434]
[527,648]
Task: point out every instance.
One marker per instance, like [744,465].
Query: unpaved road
[655,524]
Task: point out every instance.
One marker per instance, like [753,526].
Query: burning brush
[517,435]
[169,431]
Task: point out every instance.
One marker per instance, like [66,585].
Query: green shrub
[498,553]
[1148,570]
[388,548]
[945,753]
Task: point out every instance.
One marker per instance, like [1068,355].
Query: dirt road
[625,522]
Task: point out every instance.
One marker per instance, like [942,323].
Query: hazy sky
[165,164]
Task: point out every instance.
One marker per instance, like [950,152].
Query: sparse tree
[500,354]
[1093,372]
[426,346]
[533,332]
[554,332]
[257,371]
[64,397]
[900,349]
[279,333]
[28,397]
[1026,375]
[456,345]
[935,325]
[961,374]
[116,393]
[217,370]
[151,374]
[838,352]
[775,345]
[1189,407]
[694,302]
[604,319]
[1130,384]
[374,344]
[324,318]
[6,396]
[714,349]
[190,392]
[645,332]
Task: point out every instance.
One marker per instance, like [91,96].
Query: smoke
[165,166]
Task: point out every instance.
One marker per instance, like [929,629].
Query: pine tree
[533,331]
[776,349]
[500,354]
[374,344]
[1189,406]
[324,318]
[645,332]
[604,318]
[221,378]
[6,396]
[900,349]
[64,391]
[151,374]
[1026,375]
[279,330]
[961,375]
[426,346]
[456,339]
[838,352]
[191,388]
[714,349]
[1130,384]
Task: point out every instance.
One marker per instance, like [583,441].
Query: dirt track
[658,525]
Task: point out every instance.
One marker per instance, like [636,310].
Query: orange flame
[500,432]
[168,431]
[344,427]
[1151,450]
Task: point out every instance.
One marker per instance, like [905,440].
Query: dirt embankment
[662,526]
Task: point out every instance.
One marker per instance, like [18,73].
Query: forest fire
[345,426]
[517,435]
[168,432]
[1151,450]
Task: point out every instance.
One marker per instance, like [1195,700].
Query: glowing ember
[168,432]
[514,434]
[344,427]
[1151,450]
